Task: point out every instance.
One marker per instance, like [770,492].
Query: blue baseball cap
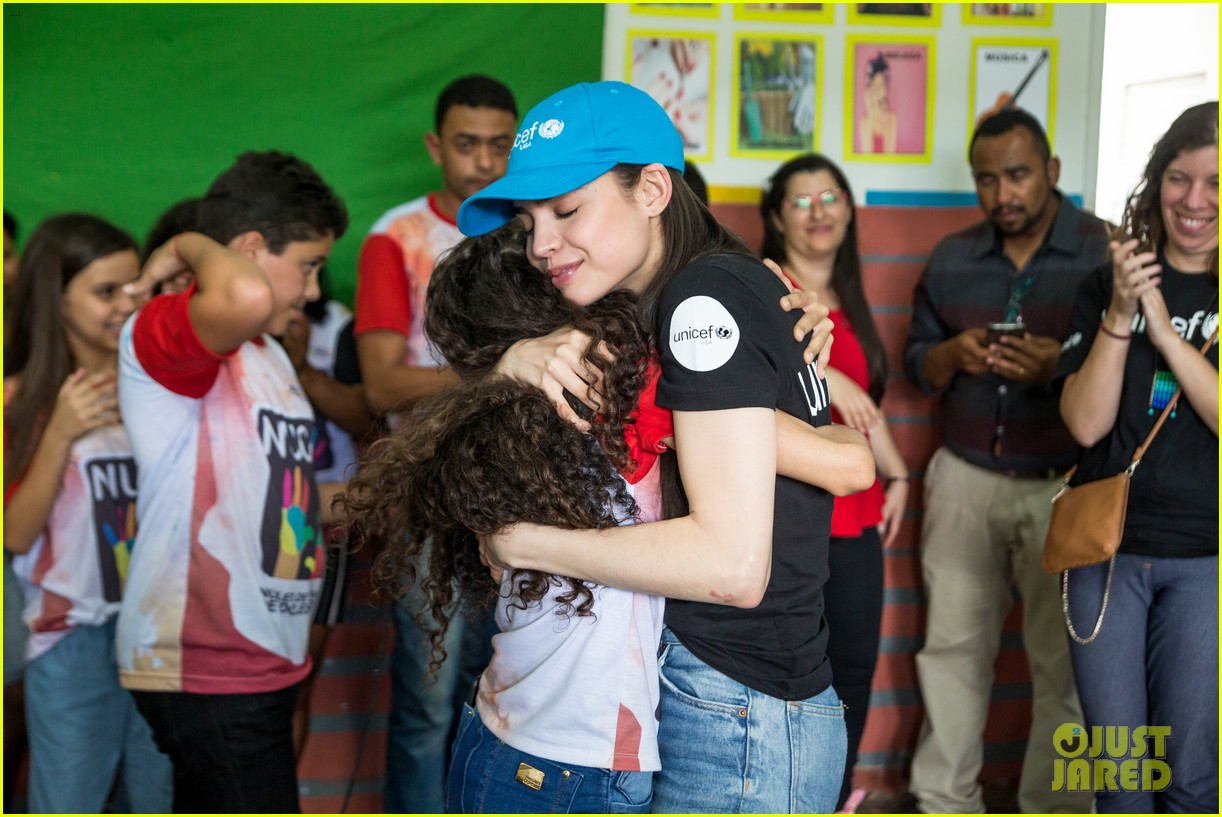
[569,139]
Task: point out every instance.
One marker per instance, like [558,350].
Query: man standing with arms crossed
[1004,450]
[476,119]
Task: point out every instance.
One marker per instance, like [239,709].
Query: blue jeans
[1155,662]
[84,727]
[232,753]
[727,748]
[484,771]
[422,709]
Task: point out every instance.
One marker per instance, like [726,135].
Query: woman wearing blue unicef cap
[749,721]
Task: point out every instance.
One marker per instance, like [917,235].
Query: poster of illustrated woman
[889,94]
[676,69]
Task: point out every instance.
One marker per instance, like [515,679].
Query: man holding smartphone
[1004,451]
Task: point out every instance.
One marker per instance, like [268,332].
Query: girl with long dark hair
[70,515]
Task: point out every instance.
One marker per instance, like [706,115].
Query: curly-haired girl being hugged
[69,480]
[493,452]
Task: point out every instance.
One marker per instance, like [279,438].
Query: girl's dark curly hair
[493,451]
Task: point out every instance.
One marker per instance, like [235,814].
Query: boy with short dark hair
[222,585]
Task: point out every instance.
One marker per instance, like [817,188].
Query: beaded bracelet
[1103,328]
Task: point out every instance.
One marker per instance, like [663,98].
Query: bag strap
[1141,450]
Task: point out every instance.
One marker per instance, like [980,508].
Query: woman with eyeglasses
[810,229]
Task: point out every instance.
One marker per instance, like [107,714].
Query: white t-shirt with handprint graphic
[222,590]
[74,573]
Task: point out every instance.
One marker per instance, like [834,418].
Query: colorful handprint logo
[122,547]
[112,488]
[291,533]
[296,534]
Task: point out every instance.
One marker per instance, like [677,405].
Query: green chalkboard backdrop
[121,110]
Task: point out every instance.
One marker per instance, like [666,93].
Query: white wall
[1077,28]
[1158,60]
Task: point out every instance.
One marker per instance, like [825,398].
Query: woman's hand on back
[494,547]
[555,363]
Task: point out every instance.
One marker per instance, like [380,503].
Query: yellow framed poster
[676,69]
[1007,14]
[889,90]
[816,13]
[677,9]
[1013,71]
[926,15]
[776,96]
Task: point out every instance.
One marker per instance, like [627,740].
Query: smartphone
[996,330]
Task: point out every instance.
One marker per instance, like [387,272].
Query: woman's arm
[835,458]
[1196,375]
[721,552]
[1090,399]
[891,466]
[85,402]
[856,408]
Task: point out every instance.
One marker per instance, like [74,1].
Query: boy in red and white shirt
[213,630]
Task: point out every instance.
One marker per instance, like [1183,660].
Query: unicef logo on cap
[551,128]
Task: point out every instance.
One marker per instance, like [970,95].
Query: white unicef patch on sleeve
[703,334]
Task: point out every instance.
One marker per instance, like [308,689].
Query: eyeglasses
[802,201]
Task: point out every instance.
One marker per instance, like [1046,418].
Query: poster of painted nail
[676,69]
[890,96]
[776,97]
[1013,72]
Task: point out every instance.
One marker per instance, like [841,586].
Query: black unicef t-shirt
[725,343]
[1173,498]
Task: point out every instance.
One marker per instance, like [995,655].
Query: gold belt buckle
[529,776]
